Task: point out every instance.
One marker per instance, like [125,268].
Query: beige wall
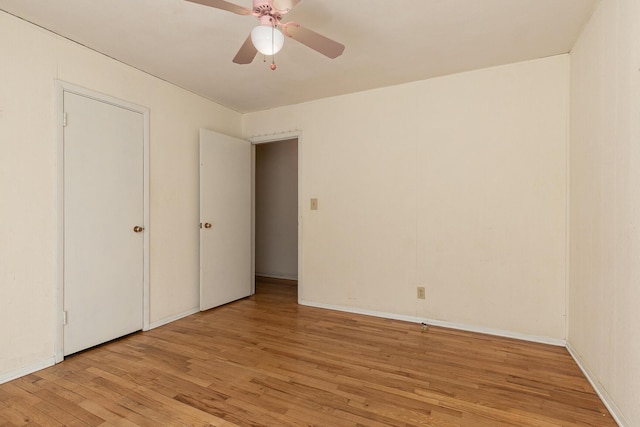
[276,213]
[604,310]
[457,184]
[31,60]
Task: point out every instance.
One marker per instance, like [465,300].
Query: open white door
[226,215]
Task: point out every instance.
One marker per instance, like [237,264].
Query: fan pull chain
[273,48]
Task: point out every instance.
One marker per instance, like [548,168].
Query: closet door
[103,221]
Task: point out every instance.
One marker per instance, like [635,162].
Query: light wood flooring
[266,361]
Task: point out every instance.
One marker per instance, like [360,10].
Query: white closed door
[103,203]
[226,215]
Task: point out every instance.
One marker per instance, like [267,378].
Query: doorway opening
[276,214]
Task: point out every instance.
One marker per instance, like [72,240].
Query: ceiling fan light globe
[261,37]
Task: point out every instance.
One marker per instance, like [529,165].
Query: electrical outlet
[420,292]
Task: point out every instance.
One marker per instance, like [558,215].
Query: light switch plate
[314,204]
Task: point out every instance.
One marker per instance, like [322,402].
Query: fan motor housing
[262,7]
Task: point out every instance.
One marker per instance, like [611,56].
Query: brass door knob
[207,225]
[138,229]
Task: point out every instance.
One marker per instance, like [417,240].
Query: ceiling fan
[266,38]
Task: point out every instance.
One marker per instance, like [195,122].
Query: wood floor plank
[267,361]
[101,411]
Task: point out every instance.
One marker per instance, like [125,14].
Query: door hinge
[65,317]
[64,120]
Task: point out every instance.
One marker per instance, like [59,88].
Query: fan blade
[315,41]
[246,53]
[224,5]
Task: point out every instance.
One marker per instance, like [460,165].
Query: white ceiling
[388,42]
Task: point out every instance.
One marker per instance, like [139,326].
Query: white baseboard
[278,276]
[451,325]
[356,310]
[600,390]
[27,370]
[498,332]
[173,318]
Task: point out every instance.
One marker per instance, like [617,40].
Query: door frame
[60,88]
[276,137]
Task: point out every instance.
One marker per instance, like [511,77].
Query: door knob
[207,225]
[138,229]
